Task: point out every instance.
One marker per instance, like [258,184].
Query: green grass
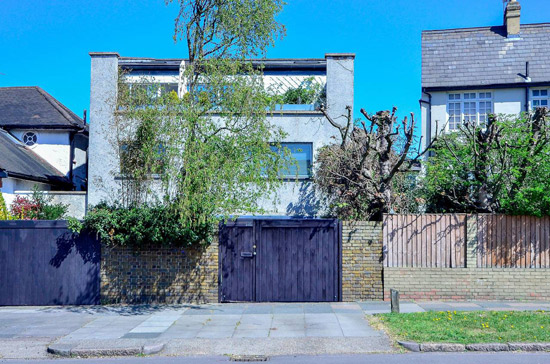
[468,327]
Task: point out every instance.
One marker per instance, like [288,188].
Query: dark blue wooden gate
[280,260]
[43,263]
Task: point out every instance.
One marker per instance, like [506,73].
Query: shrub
[144,225]
[4,214]
[37,207]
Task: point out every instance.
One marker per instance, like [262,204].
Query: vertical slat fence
[429,241]
[513,241]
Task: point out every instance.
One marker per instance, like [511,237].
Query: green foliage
[144,225]
[468,327]
[309,92]
[228,29]
[500,168]
[4,214]
[74,225]
[38,206]
[189,161]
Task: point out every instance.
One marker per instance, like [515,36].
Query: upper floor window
[472,107]
[539,98]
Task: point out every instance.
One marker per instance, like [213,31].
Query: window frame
[34,141]
[468,97]
[302,177]
[533,98]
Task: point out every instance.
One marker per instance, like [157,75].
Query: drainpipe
[527,89]
[429,116]
[71,157]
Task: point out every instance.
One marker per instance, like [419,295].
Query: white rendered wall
[53,146]
[505,101]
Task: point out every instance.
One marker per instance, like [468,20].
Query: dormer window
[30,138]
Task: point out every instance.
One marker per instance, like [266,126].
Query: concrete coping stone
[69,350]
[485,347]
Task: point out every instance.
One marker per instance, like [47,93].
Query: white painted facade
[52,146]
[302,125]
[435,110]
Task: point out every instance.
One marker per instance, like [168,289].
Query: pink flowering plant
[37,207]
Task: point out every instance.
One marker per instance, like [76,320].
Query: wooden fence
[427,241]
[43,263]
[513,241]
[440,240]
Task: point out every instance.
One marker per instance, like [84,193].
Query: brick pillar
[471,241]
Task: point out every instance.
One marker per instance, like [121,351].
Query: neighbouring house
[468,73]
[306,127]
[42,144]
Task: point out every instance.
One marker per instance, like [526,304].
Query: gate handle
[247,254]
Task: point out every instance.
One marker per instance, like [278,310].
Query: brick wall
[159,274]
[468,283]
[361,261]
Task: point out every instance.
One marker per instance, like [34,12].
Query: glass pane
[536,93]
[169,87]
[536,102]
[470,113]
[544,92]
[544,102]
[302,160]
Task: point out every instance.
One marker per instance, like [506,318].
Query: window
[539,98]
[472,107]
[153,90]
[302,160]
[30,138]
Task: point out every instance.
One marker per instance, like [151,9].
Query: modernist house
[468,73]
[307,128]
[42,143]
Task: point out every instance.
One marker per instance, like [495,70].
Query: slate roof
[484,56]
[20,162]
[32,107]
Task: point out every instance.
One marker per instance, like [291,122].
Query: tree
[502,166]
[212,148]
[368,173]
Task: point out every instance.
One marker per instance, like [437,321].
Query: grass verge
[468,327]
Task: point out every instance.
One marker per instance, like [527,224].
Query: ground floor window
[302,154]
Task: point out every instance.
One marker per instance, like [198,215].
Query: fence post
[471,241]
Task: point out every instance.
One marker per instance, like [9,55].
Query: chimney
[511,18]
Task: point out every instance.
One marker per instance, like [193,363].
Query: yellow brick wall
[159,274]
[362,261]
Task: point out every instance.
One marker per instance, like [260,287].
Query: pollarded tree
[502,166]
[368,173]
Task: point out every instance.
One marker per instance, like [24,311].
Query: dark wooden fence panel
[298,261]
[237,266]
[426,241]
[513,241]
[43,263]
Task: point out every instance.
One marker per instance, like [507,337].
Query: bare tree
[374,155]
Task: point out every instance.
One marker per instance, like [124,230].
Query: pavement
[216,329]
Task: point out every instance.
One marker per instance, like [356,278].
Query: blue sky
[46,42]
